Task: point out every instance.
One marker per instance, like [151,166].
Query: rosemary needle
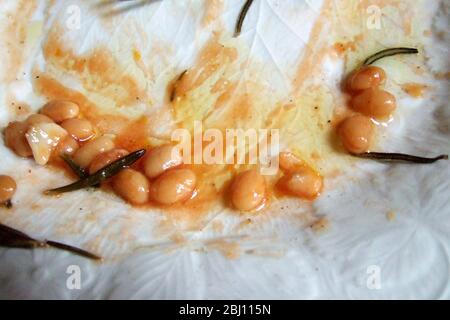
[399,157]
[241,17]
[79,171]
[387,53]
[74,250]
[101,175]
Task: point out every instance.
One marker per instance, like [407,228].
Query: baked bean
[173,186]
[106,158]
[68,146]
[365,78]
[357,133]
[15,139]
[375,103]
[60,110]
[7,188]
[80,129]
[289,161]
[38,118]
[132,186]
[248,190]
[87,153]
[161,159]
[303,183]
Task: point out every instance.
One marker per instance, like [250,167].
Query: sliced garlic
[43,138]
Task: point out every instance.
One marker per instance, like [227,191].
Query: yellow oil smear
[197,93]
[307,131]
[137,55]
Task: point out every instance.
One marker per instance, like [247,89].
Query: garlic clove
[43,138]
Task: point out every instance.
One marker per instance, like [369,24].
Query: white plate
[389,234]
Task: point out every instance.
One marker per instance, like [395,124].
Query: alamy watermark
[230,147]
[373,281]
[73,281]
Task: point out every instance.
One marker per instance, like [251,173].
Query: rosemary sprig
[399,157]
[74,250]
[241,17]
[12,238]
[387,53]
[79,171]
[101,175]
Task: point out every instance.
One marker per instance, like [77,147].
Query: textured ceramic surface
[389,225]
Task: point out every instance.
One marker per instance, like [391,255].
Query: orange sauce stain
[212,12]
[341,48]
[230,249]
[99,70]
[415,90]
[134,136]
[226,88]
[321,225]
[314,50]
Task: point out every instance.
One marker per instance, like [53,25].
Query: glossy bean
[357,133]
[173,186]
[248,190]
[106,158]
[303,183]
[7,188]
[374,103]
[15,139]
[161,159]
[79,129]
[365,78]
[132,186]
[60,110]
[87,153]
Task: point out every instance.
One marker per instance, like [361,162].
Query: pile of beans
[370,102]
[249,191]
[162,179]
[161,176]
